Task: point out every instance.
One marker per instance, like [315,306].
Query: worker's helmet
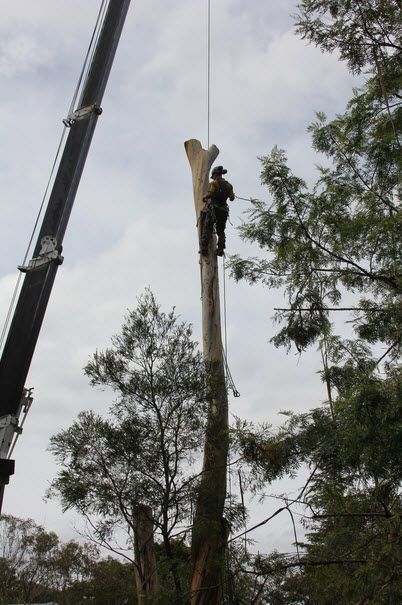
[218,171]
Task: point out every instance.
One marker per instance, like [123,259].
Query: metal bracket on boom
[10,430]
[49,252]
[82,113]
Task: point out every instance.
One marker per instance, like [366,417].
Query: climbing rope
[229,378]
[82,77]
[208,70]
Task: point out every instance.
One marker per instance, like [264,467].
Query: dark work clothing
[216,213]
[220,190]
[221,216]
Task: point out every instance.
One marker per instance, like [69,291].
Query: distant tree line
[37,567]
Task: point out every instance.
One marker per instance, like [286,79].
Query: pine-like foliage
[343,235]
[338,246]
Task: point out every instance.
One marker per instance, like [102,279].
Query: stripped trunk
[209,530]
[146,576]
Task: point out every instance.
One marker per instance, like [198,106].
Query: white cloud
[133,224]
[21,54]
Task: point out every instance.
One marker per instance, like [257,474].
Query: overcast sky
[133,223]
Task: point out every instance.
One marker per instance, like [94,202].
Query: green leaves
[357,30]
[35,565]
[142,452]
[345,233]
[337,246]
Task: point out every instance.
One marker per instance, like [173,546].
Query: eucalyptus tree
[139,460]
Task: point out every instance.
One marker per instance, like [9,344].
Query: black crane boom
[41,271]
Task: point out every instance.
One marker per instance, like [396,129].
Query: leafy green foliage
[352,496]
[255,579]
[36,566]
[143,452]
[357,29]
[111,583]
[337,246]
[345,234]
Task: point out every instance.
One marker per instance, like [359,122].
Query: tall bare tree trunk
[209,530]
[146,576]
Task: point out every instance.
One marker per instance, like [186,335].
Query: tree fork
[209,535]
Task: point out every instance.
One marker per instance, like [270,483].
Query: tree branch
[330,252]
[309,309]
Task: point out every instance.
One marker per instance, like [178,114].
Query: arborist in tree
[216,211]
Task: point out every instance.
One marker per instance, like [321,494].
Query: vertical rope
[228,375]
[208,71]
[224,309]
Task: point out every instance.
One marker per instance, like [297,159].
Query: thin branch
[295,534]
[304,563]
[328,516]
[386,353]
[102,541]
[330,252]
[279,510]
[383,90]
[309,309]
[256,599]
[361,178]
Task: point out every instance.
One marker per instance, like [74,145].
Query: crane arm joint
[81,114]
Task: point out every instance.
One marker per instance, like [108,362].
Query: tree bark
[209,534]
[146,576]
